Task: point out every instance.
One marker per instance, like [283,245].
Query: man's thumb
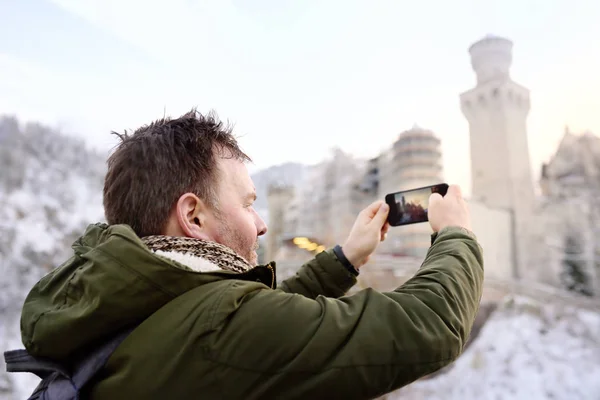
[382,214]
[434,198]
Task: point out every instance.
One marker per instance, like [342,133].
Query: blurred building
[279,198]
[496,110]
[327,200]
[523,237]
[333,192]
[569,213]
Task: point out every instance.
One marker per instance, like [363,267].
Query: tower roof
[491,58]
[490,39]
[417,131]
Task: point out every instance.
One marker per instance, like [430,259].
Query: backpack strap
[22,361]
[58,383]
[86,368]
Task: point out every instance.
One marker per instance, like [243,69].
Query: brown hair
[151,168]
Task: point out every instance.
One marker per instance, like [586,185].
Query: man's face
[237,225]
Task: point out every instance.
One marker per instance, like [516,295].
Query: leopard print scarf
[197,255]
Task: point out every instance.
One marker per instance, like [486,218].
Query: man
[177,262]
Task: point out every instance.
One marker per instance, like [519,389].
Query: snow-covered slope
[526,350]
[50,189]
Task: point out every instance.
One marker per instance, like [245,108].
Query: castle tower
[497,109]
[278,200]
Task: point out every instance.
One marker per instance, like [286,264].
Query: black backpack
[60,382]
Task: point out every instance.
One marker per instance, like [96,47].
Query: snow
[50,190]
[526,350]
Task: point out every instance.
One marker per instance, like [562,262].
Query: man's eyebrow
[251,196]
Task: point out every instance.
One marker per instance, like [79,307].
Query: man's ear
[192,215]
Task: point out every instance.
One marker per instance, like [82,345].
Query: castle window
[495,92]
[481,99]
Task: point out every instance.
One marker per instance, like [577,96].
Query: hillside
[50,189]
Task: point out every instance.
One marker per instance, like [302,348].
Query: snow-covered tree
[574,275]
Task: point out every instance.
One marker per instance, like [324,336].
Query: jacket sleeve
[324,275]
[359,346]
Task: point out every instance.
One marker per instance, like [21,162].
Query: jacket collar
[265,274]
[209,257]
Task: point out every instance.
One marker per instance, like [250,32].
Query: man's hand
[450,210]
[369,229]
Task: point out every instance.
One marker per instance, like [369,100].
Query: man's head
[184,177]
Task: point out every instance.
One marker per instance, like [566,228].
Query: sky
[296,78]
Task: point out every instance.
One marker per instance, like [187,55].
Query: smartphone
[410,206]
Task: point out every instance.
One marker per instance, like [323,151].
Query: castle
[524,237]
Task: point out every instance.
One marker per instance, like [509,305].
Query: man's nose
[263,230]
[262,227]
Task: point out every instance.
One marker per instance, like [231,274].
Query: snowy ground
[526,350]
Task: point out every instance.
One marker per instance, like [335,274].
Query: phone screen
[411,206]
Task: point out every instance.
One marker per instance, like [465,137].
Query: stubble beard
[236,242]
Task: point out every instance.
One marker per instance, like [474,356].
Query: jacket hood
[112,282]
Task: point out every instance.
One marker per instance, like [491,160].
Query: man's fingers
[386,227]
[384,231]
[372,209]
[454,190]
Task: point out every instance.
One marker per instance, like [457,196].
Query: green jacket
[222,335]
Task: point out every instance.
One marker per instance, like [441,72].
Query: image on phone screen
[411,206]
